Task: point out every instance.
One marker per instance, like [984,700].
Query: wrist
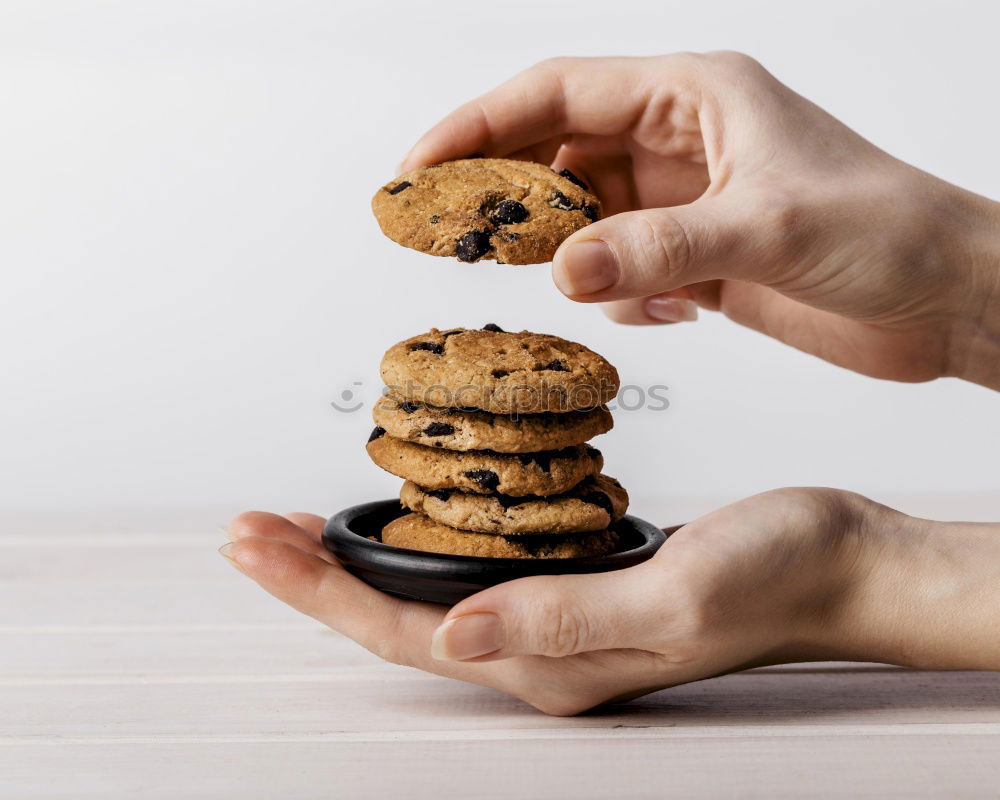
[921,594]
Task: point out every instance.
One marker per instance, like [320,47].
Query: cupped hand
[762,581]
[729,191]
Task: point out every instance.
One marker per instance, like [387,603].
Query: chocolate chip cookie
[513,212]
[472,429]
[417,532]
[593,505]
[485,471]
[493,370]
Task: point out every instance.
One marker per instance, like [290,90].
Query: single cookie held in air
[493,370]
[513,212]
[417,532]
[472,429]
[592,505]
[484,471]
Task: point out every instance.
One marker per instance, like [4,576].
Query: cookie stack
[489,429]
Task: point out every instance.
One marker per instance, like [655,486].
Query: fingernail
[467,637]
[224,551]
[586,267]
[672,309]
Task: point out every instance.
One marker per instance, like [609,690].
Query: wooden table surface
[134,662]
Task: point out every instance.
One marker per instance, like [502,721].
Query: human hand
[731,192]
[789,575]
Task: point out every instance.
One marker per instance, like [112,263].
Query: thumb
[642,253]
[557,615]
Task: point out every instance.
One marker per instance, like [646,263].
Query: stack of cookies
[489,429]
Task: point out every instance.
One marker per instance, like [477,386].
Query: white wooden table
[134,662]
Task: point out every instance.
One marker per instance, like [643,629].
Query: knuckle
[387,642]
[556,64]
[682,58]
[734,59]
[562,628]
[667,244]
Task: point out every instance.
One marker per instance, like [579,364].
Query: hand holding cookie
[721,188]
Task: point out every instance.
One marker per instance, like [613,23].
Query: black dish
[442,578]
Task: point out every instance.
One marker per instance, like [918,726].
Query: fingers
[311,585]
[401,631]
[396,630]
[650,252]
[558,615]
[565,95]
[271,526]
[311,523]
[660,309]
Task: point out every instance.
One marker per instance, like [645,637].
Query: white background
[191,273]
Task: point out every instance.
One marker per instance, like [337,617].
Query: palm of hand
[722,594]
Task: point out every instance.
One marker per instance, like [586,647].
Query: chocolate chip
[399,187]
[500,373]
[440,494]
[472,246]
[408,407]
[377,433]
[492,326]
[593,452]
[600,499]
[430,347]
[439,429]
[573,179]
[556,366]
[544,458]
[506,501]
[434,219]
[509,212]
[590,212]
[486,478]
[446,334]
[561,201]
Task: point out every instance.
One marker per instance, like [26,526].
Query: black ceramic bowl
[442,578]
